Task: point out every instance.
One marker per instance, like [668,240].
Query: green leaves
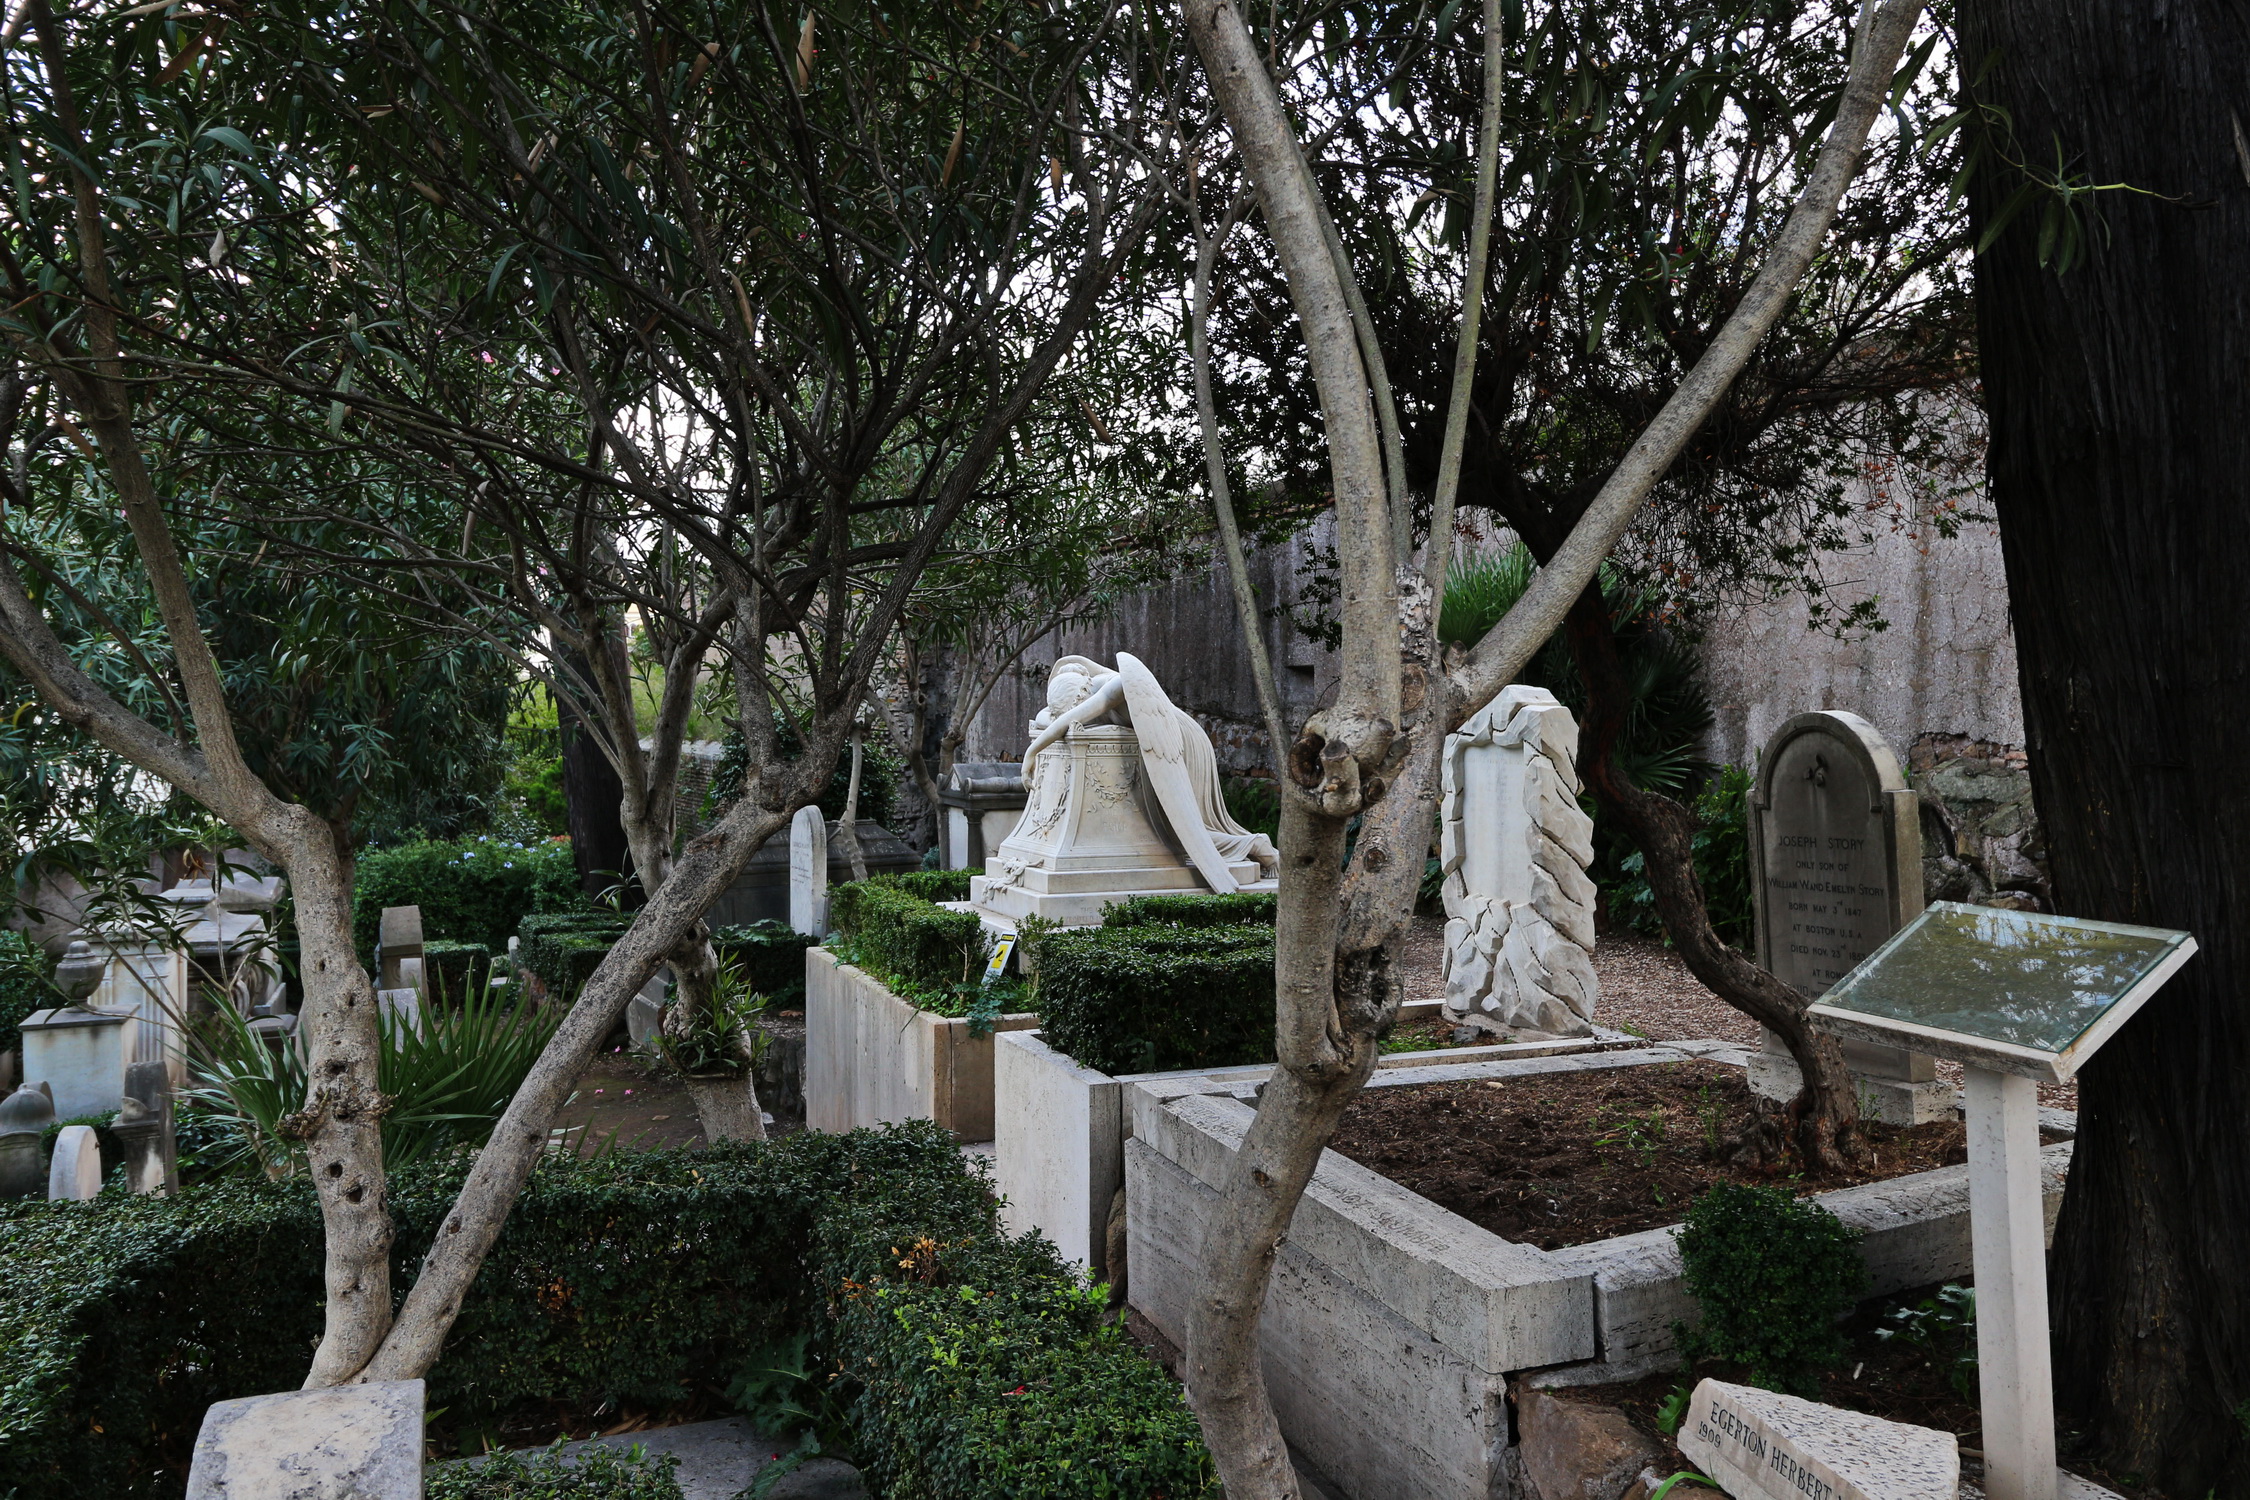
[1771,1274]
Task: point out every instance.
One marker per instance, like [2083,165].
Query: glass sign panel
[2020,979]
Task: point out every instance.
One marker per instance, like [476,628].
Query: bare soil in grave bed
[1555,1159]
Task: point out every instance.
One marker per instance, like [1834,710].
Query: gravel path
[1647,990]
[1645,987]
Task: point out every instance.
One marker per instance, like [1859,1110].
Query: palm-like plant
[449,1080]
[1658,749]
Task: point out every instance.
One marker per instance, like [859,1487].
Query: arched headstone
[1836,869]
[24,1117]
[808,872]
[76,1171]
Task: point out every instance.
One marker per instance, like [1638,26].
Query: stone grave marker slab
[1836,868]
[75,1174]
[808,872]
[1759,1444]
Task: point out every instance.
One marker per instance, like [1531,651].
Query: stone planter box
[1394,1328]
[872,1059]
[1059,1129]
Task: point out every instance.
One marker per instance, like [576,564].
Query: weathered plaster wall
[1946,665]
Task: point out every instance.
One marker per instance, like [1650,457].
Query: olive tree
[706,312]
[1372,754]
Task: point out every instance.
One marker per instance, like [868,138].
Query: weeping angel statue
[1176,759]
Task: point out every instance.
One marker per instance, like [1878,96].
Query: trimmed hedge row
[1148,998]
[969,1363]
[921,950]
[564,948]
[772,957]
[1241,909]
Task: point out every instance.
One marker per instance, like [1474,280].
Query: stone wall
[1188,633]
[1939,683]
[1946,665]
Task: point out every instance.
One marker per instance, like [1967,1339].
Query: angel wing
[1164,758]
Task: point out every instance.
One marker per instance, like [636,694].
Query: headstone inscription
[808,872]
[1760,1444]
[76,1171]
[1836,868]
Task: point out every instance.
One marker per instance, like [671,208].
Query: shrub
[470,890]
[1243,908]
[771,956]
[24,970]
[631,1278]
[449,1081]
[1771,1273]
[928,955]
[1721,851]
[591,1474]
[983,1372]
[1143,999]
[564,948]
[931,885]
[457,970]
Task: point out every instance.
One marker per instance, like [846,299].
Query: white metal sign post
[2018,998]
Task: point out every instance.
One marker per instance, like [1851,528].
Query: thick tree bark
[592,791]
[2119,464]
[1825,1116]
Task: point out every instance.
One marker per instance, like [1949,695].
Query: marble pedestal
[82,1056]
[1089,838]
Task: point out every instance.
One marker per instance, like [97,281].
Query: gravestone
[398,949]
[81,1055]
[24,1115]
[1760,1444]
[145,1128]
[1836,869]
[75,1174]
[402,1007]
[1514,846]
[808,872]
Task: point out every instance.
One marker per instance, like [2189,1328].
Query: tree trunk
[2119,464]
[592,794]
[341,1119]
[1825,1115]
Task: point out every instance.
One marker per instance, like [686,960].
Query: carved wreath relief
[1515,847]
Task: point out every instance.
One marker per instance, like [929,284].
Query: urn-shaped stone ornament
[80,972]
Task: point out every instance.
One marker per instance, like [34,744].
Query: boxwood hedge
[968,1363]
[1147,999]
[564,948]
[1241,908]
[892,926]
